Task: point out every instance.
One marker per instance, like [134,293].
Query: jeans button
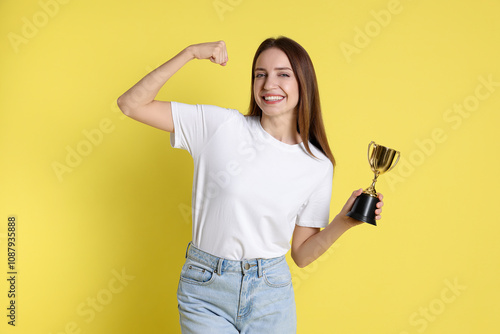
[247,266]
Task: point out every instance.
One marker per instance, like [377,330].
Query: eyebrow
[276,68]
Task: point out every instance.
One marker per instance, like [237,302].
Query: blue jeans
[222,296]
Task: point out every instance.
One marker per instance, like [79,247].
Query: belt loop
[187,249]
[259,267]
[218,270]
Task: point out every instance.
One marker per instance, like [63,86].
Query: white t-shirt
[249,188]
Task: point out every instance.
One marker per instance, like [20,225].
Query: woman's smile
[272,99]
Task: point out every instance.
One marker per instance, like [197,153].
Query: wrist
[188,52]
[344,222]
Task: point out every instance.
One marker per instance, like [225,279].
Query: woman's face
[275,87]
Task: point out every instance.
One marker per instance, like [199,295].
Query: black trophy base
[364,209]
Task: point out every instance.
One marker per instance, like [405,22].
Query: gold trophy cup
[380,161]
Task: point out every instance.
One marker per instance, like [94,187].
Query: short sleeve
[316,211]
[195,125]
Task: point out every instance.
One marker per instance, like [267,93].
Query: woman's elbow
[121,104]
[124,106]
[299,261]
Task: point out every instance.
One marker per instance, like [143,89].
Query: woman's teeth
[273,98]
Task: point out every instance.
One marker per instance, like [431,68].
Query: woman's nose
[270,83]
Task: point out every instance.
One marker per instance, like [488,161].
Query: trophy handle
[394,165]
[368,154]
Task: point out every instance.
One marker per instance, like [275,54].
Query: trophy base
[364,209]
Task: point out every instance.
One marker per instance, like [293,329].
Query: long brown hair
[309,120]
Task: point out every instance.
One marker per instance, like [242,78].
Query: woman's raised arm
[138,102]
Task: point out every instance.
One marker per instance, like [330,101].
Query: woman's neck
[282,127]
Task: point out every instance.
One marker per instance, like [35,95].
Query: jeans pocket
[196,273]
[278,275]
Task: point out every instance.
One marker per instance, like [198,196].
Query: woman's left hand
[351,222]
[380,204]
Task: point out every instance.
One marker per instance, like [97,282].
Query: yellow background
[124,207]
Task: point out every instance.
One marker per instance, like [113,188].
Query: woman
[259,179]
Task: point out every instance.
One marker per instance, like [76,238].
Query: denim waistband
[220,265]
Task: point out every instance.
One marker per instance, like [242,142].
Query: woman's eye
[261,75]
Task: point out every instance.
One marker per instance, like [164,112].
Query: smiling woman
[277,91]
[282,64]
[258,179]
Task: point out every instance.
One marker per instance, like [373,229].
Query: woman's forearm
[310,248]
[144,91]
[319,243]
